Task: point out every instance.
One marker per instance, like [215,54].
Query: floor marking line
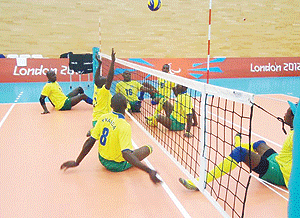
[10,109]
[167,189]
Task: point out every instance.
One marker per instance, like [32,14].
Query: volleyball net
[197,142]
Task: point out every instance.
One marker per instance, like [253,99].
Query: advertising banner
[34,70]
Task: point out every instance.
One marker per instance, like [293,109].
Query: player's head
[179,89]
[290,113]
[119,103]
[100,82]
[127,76]
[166,68]
[51,75]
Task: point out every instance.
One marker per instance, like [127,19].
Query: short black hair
[118,102]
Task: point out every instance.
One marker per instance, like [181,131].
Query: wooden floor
[33,146]
[257,28]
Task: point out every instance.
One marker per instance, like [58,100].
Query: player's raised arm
[98,79]
[111,72]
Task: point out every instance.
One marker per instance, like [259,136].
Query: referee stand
[79,63]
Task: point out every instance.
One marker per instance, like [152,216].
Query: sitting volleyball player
[58,99]
[115,149]
[181,114]
[160,95]
[102,95]
[271,166]
[130,89]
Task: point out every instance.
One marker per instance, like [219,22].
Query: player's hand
[153,177]
[98,59]
[113,55]
[45,112]
[68,164]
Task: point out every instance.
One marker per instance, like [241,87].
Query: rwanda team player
[102,95]
[115,149]
[160,95]
[271,166]
[130,89]
[58,99]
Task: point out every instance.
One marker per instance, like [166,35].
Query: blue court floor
[30,92]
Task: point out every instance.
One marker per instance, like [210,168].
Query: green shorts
[67,105]
[113,165]
[94,123]
[176,126]
[157,95]
[273,174]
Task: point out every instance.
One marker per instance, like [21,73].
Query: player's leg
[164,120]
[76,99]
[240,154]
[268,168]
[168,107]
[75,92]
[237,155]
[143,152]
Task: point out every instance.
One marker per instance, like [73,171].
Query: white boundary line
[167,189]
[270,185]
[10,109]
[181,168]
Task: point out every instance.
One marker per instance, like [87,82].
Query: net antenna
[221,114]
[208,41]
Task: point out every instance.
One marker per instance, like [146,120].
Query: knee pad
[154,102]
[141,96]
[80,90]
[256,144]
[239,154]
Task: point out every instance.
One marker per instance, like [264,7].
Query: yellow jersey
[114,135]
[101,102]
[182,107]
[129,89]
[165,87]
[285,157]
[54,92]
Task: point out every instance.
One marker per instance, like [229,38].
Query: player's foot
[237,140]
[188,184]
[151,121]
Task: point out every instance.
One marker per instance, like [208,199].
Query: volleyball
[154,5]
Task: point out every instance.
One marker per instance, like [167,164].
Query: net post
[208,41]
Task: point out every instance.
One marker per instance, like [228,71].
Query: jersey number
[104,135]
[128,91]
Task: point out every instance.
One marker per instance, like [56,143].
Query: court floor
[33,146]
